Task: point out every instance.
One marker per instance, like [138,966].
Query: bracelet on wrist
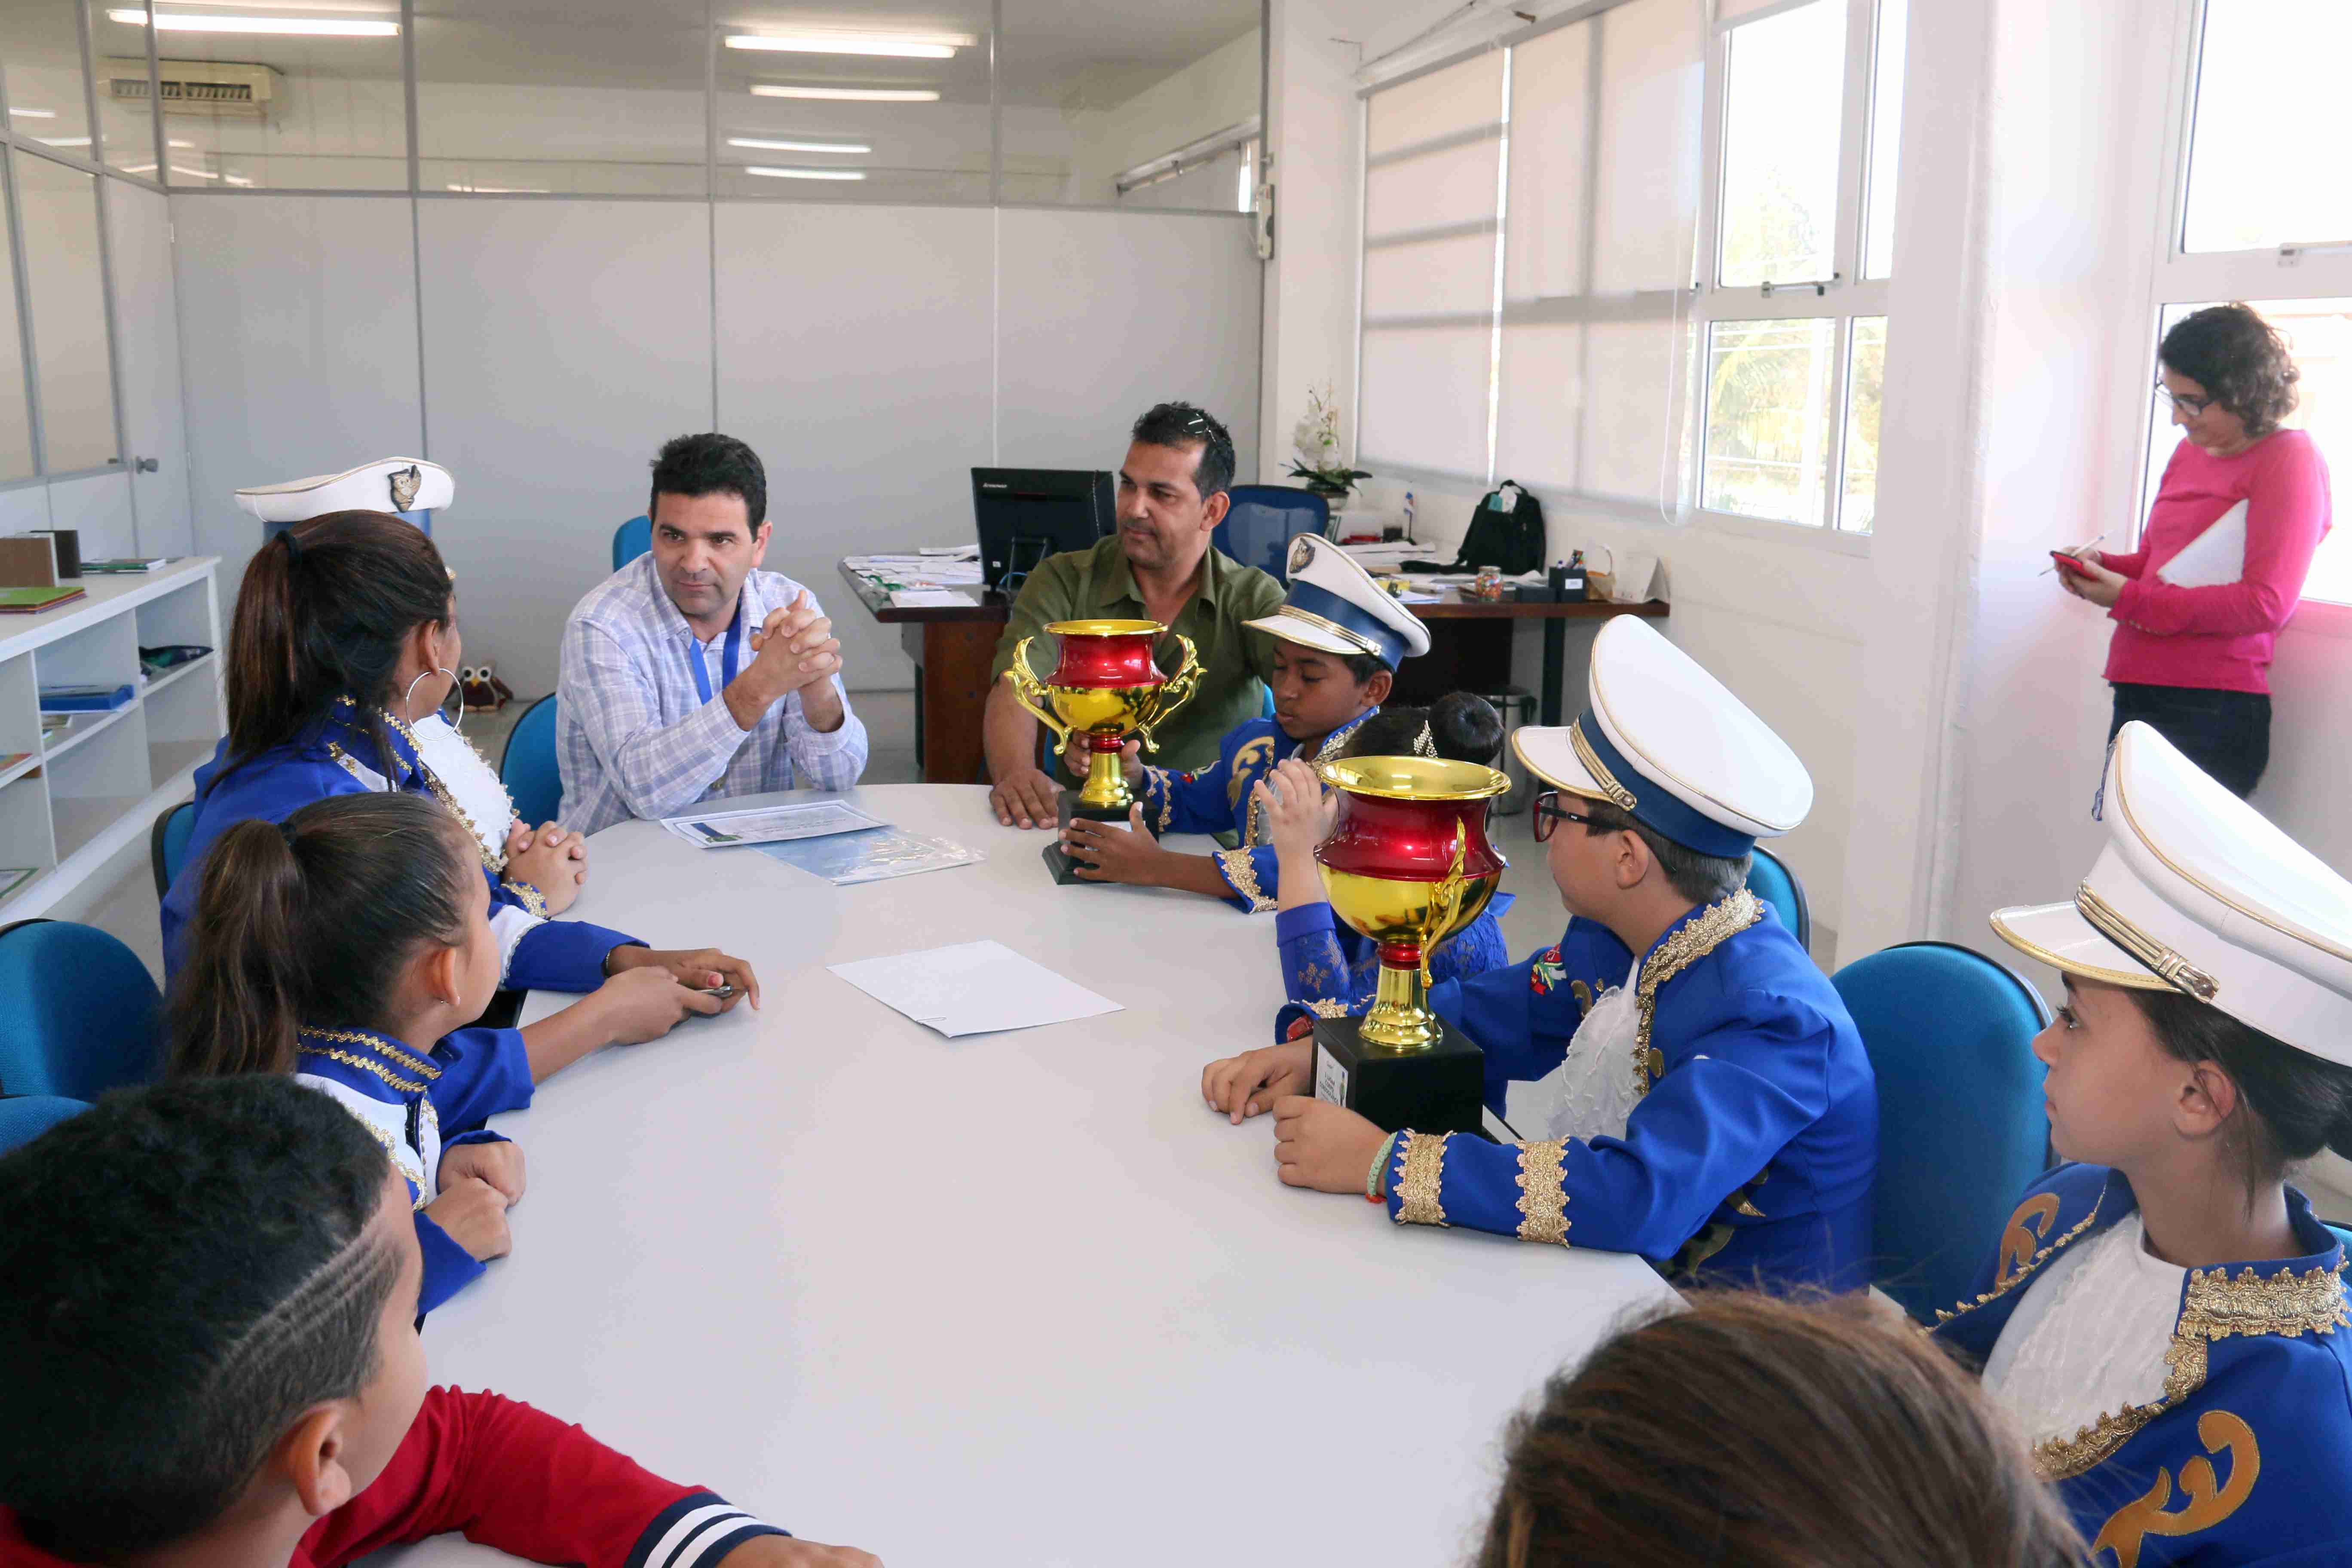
[1376,1180]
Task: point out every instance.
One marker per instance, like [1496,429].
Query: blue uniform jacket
[1329,971]
[1752,1149]
[341,756]
[1217,798]
[468,1077]
[2245,1459]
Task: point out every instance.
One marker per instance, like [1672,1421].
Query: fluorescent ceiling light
[35,113]
[765,145]
[848,94]
[806,173]
[63,140]
[894,46]
[318,27]
[503,190]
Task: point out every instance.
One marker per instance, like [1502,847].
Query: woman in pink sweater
[2220,566]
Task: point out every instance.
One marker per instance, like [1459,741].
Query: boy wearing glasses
[1680,1078]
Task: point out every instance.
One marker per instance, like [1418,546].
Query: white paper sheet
[973,988]
[767,825]
[2216,556]
[927,598]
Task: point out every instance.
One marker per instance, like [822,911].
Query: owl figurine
[485,693]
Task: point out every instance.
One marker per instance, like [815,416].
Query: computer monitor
[1027,514]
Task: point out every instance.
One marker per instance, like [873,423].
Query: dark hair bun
[1465,728]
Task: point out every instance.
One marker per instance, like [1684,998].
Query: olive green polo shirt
[1096,584]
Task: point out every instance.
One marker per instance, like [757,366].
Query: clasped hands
[1326,1147]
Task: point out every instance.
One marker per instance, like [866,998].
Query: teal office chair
[1262,519]
[528,767]
[1960,1125]
[167,843]
[631,539]
[83,1014]
[1771,879]
[24,1119]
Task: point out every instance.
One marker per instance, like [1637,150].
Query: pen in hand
[2076,551]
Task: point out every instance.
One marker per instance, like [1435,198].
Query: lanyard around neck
[728,658]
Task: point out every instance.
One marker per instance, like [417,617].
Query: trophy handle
[1174,691]
[1446,896]
[1030,692]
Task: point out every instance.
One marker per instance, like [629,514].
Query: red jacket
[513,1479]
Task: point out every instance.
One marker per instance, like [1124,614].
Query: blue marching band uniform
[1717,1113]
[2187,1415]
[407,1099]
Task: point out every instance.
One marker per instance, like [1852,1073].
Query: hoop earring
[408,703]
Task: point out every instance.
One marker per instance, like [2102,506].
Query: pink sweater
[2221,636]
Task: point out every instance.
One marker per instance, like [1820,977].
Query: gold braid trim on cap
[2109,922]
[1702,936]
[1543,1197]
[1618,795]
[1421,1182]
[1353,638]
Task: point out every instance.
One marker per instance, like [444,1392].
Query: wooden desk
[953,645]
[1002,1301]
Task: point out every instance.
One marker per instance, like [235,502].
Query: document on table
[767,825]
[973,988]
[843,858]
[927,598]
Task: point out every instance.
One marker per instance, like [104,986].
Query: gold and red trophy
[1104,688]
[1407,865]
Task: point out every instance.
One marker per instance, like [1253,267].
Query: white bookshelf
[83,795]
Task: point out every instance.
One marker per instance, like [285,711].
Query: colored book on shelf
[114,564]
[55,724]
[15,877]
[10,759]
[32,601]
[99,698]
[29,560]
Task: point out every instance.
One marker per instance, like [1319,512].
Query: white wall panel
[23,507]
[98,507]
[1101,315]
[147,341]
[297,338]
[854,356]
[563,342]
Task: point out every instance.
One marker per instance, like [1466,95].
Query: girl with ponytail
[345,636]
[2165,1304]
[349,945]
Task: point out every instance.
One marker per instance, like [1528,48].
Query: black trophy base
[1063,866]
[1439,1090]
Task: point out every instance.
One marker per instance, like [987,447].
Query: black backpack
[1506,532]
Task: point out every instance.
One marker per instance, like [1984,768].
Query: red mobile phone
[2069,563]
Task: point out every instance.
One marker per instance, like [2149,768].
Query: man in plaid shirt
[691,674]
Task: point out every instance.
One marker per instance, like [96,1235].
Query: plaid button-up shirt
[635,737]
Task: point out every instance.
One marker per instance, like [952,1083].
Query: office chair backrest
[1262,520]
[167,844]
[631,539]
[1771,879]
[1961,1129]
[83,1014]
[25,1119]
[528,767]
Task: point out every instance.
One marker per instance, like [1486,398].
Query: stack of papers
[767,825]
[945,568]
[973,988]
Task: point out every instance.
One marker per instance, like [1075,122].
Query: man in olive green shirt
[1158,566]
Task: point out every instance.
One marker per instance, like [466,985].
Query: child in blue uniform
[1338,640]
[2163,1315]
[1329,970]
[349,945]
[1682,1079]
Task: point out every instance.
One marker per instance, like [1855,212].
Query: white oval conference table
[1012,1299]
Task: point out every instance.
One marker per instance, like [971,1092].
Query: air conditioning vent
[220,91]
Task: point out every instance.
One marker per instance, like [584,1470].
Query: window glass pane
[118,53]
[1456,185]
[1428,277]
[1117,103]
[40,51]
[1864,391]
[1552,155]
[59,207]
[1646,170]
[2266,156]
[1459,98]
[2318,335]
[587,97]
[1885,137]
[251,101]
[1768,410]
[809,123]
[16,422]
[1425,392]
[1780,131]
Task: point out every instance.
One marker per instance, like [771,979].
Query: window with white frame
[1804,108]
[2261,212]
[1539,217]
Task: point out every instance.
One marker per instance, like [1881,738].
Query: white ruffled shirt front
[2089,1337]
[1596,1086]
[470,778]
